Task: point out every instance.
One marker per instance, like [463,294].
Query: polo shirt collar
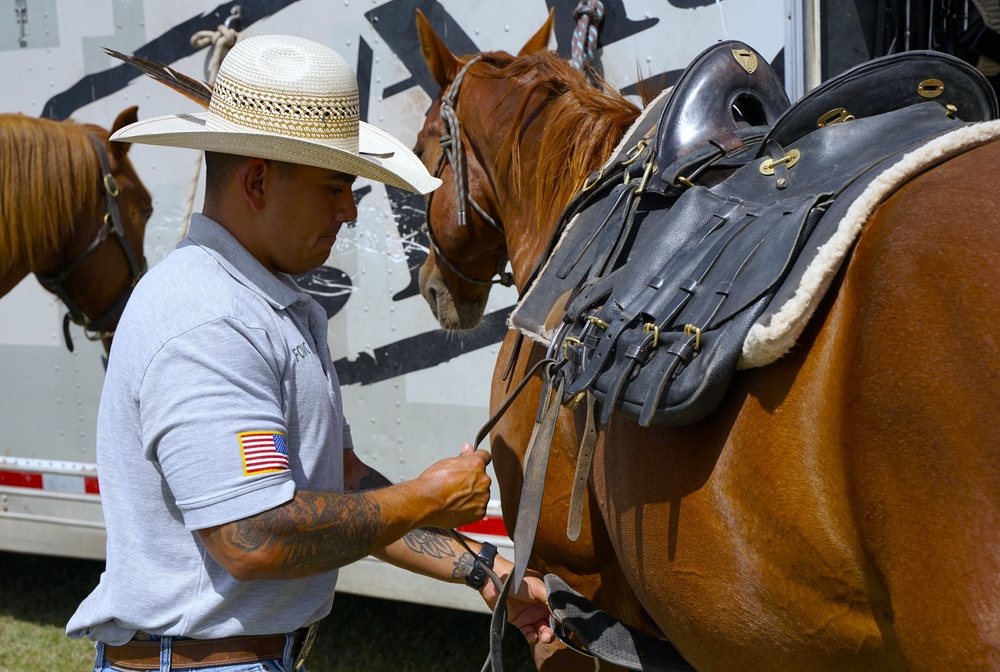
[280,291]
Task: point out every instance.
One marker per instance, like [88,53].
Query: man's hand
[528,609]
[459,487]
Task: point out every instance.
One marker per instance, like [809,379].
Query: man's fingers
[483,455]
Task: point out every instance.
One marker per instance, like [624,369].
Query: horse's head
[459,143]
[102,258]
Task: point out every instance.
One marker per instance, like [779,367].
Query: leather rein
[100,327]
[451,144]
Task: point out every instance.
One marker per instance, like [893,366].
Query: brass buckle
[633,154]
[595,320]
[566,341]
[307,643]
[645,177]
[652,328]
[791,158]
[684,181]
[691,330]
[589,184]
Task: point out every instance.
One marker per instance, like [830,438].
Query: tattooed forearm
[312,532]
[429,541]
[436,543]
[463,566]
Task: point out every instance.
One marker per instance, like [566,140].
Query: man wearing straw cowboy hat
[230,487]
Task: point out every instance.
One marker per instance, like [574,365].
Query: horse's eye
[146,213]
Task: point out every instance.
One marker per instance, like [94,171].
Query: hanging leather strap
[530,507]
[584,460]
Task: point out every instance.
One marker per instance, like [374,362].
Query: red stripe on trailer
[90,485]
[20,479]
[487,525]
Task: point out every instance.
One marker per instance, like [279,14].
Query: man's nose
[347,209]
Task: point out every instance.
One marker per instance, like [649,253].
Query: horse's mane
[48,176]
[584,123]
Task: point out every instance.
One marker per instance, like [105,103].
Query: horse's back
[841,510]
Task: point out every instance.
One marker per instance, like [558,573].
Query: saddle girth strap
[605,637]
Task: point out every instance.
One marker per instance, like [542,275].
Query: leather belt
[198,653]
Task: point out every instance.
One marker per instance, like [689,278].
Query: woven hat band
[311,117]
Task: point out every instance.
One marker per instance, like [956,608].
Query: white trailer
[412,393]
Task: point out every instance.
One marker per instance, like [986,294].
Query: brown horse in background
[841,509]
[57,216]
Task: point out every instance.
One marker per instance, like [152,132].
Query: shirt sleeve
[201,395]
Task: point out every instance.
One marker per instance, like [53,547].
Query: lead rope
[588,15]
[221,40]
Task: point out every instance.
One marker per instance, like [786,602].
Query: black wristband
[476,578]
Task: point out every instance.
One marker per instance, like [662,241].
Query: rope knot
[588,15]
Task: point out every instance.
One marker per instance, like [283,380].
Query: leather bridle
[451,144]
[100,327]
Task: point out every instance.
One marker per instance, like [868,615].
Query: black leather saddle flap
[886,84]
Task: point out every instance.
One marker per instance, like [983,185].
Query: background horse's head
[73,211]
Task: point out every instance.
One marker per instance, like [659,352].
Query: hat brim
[380,156]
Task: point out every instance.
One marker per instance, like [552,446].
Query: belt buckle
[307,643]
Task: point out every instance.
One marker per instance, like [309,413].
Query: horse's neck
[529,220]
[526,230]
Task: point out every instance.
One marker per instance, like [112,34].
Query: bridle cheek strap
[99,327]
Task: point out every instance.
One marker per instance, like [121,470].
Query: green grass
[38,594]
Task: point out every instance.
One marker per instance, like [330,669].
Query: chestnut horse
[841,509]
[73,212]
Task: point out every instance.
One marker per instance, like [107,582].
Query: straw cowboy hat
[289,99]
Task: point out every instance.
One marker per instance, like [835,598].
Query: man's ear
[253,175]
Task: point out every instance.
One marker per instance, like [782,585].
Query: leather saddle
[675,248]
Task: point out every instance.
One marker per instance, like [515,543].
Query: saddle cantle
[672,253]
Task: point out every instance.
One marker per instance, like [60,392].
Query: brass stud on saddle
[837,115]
[930,88]
[746,58]
[789,159]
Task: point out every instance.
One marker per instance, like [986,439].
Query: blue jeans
[101,665]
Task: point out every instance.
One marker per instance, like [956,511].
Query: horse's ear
[540,40]
[444,65]
[128,116]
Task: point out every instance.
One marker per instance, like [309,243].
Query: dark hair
[219,169]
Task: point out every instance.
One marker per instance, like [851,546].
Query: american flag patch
[263,452]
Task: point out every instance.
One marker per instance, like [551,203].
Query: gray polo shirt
[220,401]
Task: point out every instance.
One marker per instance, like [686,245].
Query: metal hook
[235,14]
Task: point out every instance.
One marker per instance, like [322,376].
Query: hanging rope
[588,16]
[221,41]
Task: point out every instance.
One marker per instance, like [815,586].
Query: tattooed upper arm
[314,532]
